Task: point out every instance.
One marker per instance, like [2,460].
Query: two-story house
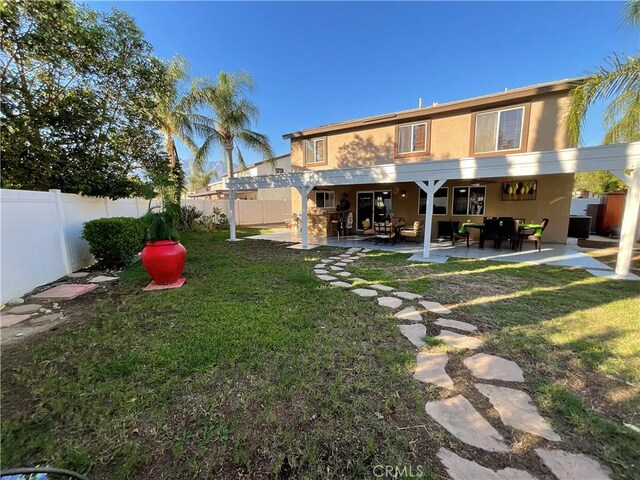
[526,119]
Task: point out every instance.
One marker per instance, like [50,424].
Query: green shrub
[114,241]
[188,217]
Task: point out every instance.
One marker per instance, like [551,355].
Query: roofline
[247,167]
[508,95]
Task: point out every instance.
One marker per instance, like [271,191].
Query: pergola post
[429,187]
[304,191]
[232,215]
[629,222]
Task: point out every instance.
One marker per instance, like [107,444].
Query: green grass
[256,369]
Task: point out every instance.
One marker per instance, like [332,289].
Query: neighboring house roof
[494,98]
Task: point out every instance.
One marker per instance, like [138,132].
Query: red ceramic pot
[164,260]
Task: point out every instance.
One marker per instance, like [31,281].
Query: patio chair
[509,231]
[384,232]
[366,226]
[415,232]
[528,237]
[491,231]
[456,235]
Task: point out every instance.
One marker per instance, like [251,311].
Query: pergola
[622,160]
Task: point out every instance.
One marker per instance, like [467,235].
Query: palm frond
[257,142]
[631,13]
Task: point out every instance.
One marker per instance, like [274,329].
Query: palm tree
[232,117]
[200,176]
[618,82]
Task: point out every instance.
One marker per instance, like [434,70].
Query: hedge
[114,241]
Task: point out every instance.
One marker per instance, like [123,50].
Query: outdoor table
[536,227]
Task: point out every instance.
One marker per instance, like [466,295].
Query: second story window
[412,138]
[498,130]
[315,151]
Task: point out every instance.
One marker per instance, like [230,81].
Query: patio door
[374,205]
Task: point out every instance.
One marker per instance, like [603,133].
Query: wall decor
[520,190]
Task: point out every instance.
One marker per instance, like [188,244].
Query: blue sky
[321,62]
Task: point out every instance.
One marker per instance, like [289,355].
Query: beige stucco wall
[553,201]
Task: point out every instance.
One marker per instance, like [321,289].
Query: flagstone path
[456,414]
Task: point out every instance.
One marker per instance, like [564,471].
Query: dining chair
[491,231]
[415,232]
[509,231]
[384,232]
[456,235]
[528,237]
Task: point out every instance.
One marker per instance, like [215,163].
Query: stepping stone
[358,279]
[28,308]
[391,302]
[415,333]
[459,341]
[336,269]
[15,301]
[102,279]
[340,284]
[335,258]
[445,322]
[381,287]
[491,367]
[319,265]
[407,295]
[459,468]
[464,422]
[409,313]
[572,466]
[435,307]
[321,271]
[341,264]
[66,292]
[9,320]
[344,274]
[326,260]
[364,292]
[347,260]
[326,278]
[430,369]
[78,275]
[47,318]
[366,250]
[517,411]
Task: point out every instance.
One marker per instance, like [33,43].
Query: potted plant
[163,256]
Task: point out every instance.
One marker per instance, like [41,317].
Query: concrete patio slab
[364,292]
[572,466]
[417,257]
[415,333]
[458,325]
[459,468]
[27,308]
[464,422]
[491,367]
[612,275]
[435,307]
[66,292]
[430,368]
[517,410]
[459,341]
[391,302]
[326,278]
[10,319]
[409,313]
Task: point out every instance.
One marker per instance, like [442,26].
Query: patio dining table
[463,228]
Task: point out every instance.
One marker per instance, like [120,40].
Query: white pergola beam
[232,215]
[629,222]
[430,187]
[622,176]
[604,157]
[304,191]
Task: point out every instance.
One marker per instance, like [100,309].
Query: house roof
[422,112]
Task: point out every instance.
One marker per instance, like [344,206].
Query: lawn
[256,369]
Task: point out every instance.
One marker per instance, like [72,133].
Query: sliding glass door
[374,205]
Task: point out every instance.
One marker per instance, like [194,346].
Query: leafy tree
[232,117]
[618,82]
[77,86]
[598,182]
[201,176]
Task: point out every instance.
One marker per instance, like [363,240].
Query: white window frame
[315,149]
[412,125]
[495,143]
[328,194]
[469,187]
[423,193]
[279,171]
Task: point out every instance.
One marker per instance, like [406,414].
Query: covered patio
[622,160]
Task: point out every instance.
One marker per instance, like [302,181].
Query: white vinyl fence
[40,231]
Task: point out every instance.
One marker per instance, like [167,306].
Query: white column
[232,215]
[57,195]
[429,187]
[629,222]
[304,192]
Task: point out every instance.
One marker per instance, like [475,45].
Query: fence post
[262,210]
[137,206]
[57,195]
[106,206]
